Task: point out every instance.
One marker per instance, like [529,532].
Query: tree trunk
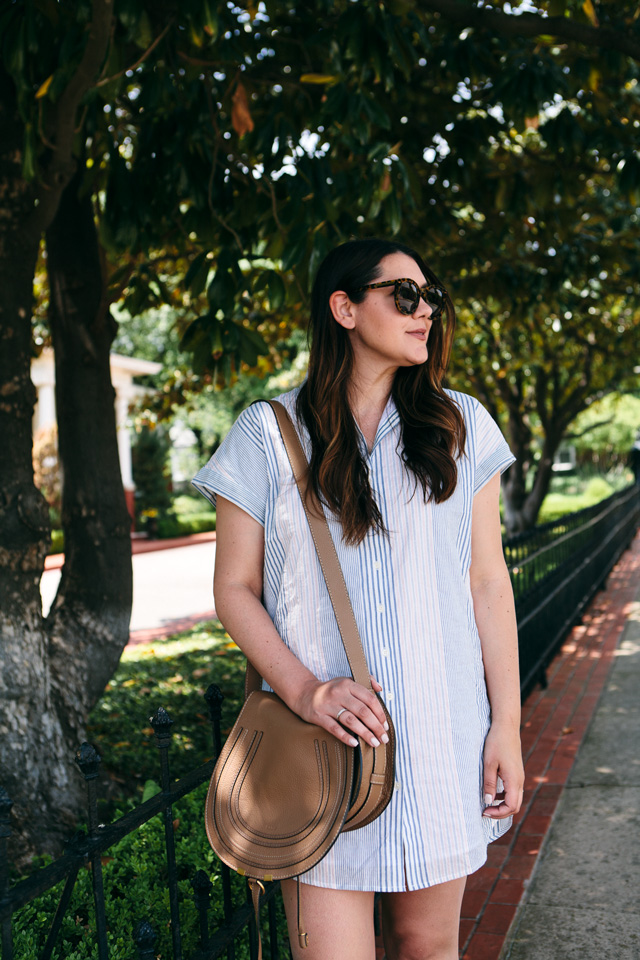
[33,755]
[41,716]
[88,624]
[51,674]
[521,508]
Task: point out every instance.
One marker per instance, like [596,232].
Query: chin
[418,361]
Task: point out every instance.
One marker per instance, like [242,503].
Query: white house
[123,370]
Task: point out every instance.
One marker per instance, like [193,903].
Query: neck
[369,395]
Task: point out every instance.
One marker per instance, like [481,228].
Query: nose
[421,311]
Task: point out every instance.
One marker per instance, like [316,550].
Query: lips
[419,334]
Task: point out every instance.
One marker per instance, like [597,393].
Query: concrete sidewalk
[583,901]
[172,585]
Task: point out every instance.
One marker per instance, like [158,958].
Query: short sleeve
[238,470]
[491,449]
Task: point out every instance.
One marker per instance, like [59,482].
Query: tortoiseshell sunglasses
[407,295]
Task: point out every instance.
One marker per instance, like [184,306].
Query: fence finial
[202,886]
[88,759]
[214,697]
[145,937]
[161,723]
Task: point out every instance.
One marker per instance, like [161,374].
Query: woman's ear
[342,309]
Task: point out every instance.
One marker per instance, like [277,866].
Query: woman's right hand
[362,714]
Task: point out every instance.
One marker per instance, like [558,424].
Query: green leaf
[151,789]
[144,33]
[276,289]
[319,78]
[256,339]
[197,274]
[29,164]
[211,22]
[222,290]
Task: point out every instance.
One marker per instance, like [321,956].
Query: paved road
[583,901]
[167,585]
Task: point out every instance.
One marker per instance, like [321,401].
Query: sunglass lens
[435,299]
[407,297]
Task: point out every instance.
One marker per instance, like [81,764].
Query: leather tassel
[256,888]
[303,938]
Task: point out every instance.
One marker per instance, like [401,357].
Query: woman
[409,474]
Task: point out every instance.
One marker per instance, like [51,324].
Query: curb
[139,545]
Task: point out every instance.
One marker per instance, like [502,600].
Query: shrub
[598,489]
[57,541]
[150,463]
[185,506]
[183,526]
[136,888]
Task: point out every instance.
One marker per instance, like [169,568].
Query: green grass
[557,505]
[173,673]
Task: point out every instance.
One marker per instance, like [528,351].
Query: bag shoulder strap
[325,548]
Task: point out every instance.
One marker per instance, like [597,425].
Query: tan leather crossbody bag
[283,789]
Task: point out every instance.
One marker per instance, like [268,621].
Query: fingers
[361,713]
[361,721]
[332,726]
[510,801]
[490,784]
[374,683]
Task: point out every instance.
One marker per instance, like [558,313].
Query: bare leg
[339,922]
[423,924]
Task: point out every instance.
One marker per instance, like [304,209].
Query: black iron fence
[89,848]
[555,569]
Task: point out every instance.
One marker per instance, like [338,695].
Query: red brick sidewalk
[554,723]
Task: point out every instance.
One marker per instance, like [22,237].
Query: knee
[408,945]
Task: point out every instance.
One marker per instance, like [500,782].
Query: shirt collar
[388,421]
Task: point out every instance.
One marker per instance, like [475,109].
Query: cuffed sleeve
[238,470]
[491,449]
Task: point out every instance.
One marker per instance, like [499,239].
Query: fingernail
[385,738]
[375,742]
[488,798]
[386,726]
[353,742]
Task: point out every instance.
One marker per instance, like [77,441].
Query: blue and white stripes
[412,602]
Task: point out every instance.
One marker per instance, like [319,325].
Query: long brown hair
[433,431]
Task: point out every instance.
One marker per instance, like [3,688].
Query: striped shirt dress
[412,602]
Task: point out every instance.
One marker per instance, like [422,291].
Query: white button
[385,651]
[397,784]
[389,696]
[377,565]
[381,608]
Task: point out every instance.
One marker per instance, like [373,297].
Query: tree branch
[592,426]
[533,25]
[140,60]
[62,165]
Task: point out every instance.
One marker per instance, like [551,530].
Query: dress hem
[408,889]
